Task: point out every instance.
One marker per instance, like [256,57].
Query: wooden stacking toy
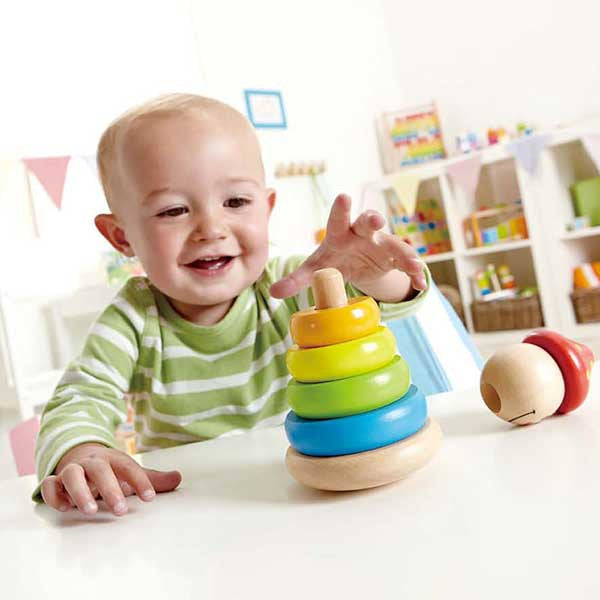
[356,421]
[546,374]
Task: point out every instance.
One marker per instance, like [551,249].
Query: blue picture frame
[271,115]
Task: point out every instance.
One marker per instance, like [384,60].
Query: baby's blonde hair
[168,104]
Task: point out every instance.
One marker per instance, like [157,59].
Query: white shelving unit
[546,259]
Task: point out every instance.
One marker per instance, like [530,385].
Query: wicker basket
[586,304]
[510,313]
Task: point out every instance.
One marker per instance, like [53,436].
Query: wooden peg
[328,289]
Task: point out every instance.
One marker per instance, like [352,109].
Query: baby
[199,344]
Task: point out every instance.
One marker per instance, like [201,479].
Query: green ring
[350,396]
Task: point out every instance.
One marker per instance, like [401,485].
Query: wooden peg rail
[300,169]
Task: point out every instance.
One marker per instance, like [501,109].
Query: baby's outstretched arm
[377,263]
[92,470]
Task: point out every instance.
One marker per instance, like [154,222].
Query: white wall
[333,64]
[69,67]
[499,62]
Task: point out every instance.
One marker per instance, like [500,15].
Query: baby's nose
[209,228]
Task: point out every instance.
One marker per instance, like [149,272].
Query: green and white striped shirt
[187,382]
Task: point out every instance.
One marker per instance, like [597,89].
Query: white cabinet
[546,258]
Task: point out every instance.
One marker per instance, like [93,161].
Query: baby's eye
[173,212]
[236,202]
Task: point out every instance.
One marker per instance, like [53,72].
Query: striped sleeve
[89,401]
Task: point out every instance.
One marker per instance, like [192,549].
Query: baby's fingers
[403,257]
[100,473]
[76,485]
[368,223]
[54,494]
[134,476]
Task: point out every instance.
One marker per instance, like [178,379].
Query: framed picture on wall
[265,109]
[409,137]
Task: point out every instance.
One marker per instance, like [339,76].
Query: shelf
[581,233]
[433,258]
[493,248]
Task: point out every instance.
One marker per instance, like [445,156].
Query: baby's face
[194,207]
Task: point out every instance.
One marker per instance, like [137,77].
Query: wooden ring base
[366,469]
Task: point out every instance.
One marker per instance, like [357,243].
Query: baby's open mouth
[212,263]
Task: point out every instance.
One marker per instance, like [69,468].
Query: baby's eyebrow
[242,179]
[157,192]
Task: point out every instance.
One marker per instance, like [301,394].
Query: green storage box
[586,199]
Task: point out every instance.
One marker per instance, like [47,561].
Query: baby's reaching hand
[378,263]
[89,471]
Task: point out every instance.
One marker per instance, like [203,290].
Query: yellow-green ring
[342,360]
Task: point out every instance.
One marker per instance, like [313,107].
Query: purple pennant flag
[527,150]
[591,142]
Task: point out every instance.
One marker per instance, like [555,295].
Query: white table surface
[500,512]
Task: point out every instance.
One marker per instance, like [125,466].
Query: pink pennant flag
[51,173]
[527,150]
[465,173]
[591,143]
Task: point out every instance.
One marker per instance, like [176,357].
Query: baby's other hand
[89,471]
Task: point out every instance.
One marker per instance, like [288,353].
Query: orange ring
[327,326]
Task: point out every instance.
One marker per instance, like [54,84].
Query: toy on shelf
[356,421]
[524,128]
[500,305]
[586,199]
[497,135]
[492,284]
[467,142]
[410,137]
[578,223]
[426,230]
[503,223]
[545,374]
[586,276]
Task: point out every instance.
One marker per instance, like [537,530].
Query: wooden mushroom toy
[356,421]
[545,374]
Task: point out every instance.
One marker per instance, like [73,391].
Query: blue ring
[358,433]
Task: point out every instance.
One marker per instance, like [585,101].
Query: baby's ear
[109,227]
[271,199]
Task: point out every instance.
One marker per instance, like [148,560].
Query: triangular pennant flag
[90,161]
[527,150]
[591,143]
[51,173]
[465,173]
[405,187]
